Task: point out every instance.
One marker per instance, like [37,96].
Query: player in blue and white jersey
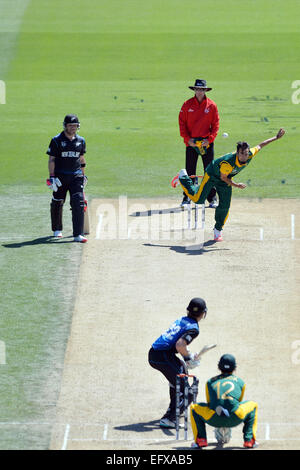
[163,354]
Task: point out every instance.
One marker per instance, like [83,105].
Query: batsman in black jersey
[66,173]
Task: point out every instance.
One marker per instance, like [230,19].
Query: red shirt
[199,119]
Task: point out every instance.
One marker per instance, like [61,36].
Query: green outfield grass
[38,278]
[124,68]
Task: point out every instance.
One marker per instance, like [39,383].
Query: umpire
[163,354]
[199,126]
[66,173]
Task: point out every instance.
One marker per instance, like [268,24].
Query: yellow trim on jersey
[225,168]
[238,163]
[246,408]
[226,218]
[207,394]
[243,392]
[205,179]
[195,197]
[254,150]
[203,411]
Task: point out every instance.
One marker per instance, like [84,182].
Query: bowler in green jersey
[219,174]
[225,407]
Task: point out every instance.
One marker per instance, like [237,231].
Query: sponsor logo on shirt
[191,110]
[70,154]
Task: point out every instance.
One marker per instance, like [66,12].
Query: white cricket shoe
[213,204]
[57,234]
[168,423]
[80,239]
[218,235]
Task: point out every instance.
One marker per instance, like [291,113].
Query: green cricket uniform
[227,391]
[230,166]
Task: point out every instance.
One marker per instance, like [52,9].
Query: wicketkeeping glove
[53,183]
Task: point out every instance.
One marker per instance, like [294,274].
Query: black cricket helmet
[227,363]
[196,307]
[71,119]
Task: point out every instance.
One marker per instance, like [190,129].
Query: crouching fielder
[224,407]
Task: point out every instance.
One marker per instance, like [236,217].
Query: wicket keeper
[219,174]
[66,166]
[163,355]
[225,407]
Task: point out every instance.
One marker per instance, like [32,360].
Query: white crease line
[66,437]
[123,440]
[105,431]
[267,433]
[85,423]
[293,226]
[171,440]
[99,226]
[261,234]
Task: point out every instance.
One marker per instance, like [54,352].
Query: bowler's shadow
[190,250]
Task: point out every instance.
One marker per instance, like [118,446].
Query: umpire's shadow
[188,250]
[38,241]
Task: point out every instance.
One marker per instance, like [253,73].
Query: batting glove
[53,183]
[192,361]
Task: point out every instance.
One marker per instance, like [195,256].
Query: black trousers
[74,185]
[191,159]
[170,365]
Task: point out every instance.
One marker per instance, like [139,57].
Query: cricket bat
[204,350]
[86,219]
